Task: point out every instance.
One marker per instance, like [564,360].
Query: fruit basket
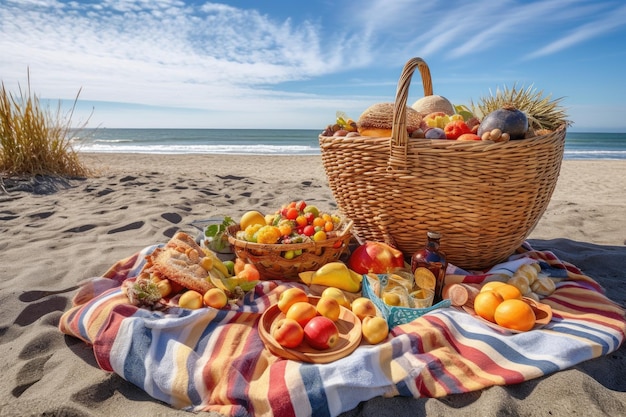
[483,197]
[396,315]
[271,263]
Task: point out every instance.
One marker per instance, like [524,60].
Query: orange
[301,312]
[508,291]
[485,304]
[515,314]
[491,285]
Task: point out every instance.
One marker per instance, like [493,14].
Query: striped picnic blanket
[214,360]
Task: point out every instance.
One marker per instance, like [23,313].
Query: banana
[333,274]
[216,262]
[217,279]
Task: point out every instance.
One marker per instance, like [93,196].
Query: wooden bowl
[543,315]
[349,327]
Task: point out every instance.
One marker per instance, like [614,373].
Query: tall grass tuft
[36,140]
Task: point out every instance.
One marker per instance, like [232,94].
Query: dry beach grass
[57,233]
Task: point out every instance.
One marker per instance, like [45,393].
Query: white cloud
[215,58]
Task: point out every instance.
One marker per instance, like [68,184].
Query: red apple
[288,333]
[375,257]
[321,333]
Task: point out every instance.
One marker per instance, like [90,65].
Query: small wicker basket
[396,315]
[272,265]
[484,198]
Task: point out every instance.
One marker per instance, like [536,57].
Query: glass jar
[433,259]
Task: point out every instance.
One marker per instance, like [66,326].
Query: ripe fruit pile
[316,323]
[509,115]
[502,303]
[295,222]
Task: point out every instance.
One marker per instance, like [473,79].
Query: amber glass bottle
[431,258]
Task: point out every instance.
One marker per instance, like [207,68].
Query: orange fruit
[515,314]
[301,312]
[508,291]
[491,285]
[485,304]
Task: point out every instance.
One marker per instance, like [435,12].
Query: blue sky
[293,64]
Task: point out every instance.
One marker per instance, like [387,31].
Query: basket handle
[399,136]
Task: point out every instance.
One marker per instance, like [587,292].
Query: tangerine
[515,314]
[485,304]
[508,291]
[491,285]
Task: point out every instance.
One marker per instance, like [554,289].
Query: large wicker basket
[484,198]
[271,263]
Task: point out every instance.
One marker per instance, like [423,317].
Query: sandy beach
[57,234]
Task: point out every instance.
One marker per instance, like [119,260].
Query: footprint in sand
[172,217]
[30,374]
[130,226]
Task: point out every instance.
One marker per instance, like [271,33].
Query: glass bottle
[431,258]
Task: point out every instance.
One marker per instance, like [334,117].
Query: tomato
[292,213]
[455,129]
[308,230]
[300,205]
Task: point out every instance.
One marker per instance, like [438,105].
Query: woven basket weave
[272,265]
[484,198]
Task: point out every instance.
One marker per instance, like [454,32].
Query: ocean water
[578,145]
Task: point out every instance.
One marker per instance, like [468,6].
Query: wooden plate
[349,327]
[543,315]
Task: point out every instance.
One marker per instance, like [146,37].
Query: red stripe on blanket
[104,341]
[120,271]
[278,393]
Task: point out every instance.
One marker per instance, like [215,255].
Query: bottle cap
[433,235]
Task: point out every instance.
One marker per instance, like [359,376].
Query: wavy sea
[578,145]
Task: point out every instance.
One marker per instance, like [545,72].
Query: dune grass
[35,140]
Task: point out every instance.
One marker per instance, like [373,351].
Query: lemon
[424,278]
[251,218]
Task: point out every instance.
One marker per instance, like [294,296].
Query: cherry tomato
[292,213]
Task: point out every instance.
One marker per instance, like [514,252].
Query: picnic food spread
[288,312]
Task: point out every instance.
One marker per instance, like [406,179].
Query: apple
[302,312]
[328,307]
[363,307]
[374,329]
[216,298]
[288,333]
[321,333]
[289,297]
[337,294]
[375,257]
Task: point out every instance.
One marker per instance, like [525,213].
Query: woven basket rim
[230,233]
[399,140]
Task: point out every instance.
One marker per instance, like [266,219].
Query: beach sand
[56,234]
